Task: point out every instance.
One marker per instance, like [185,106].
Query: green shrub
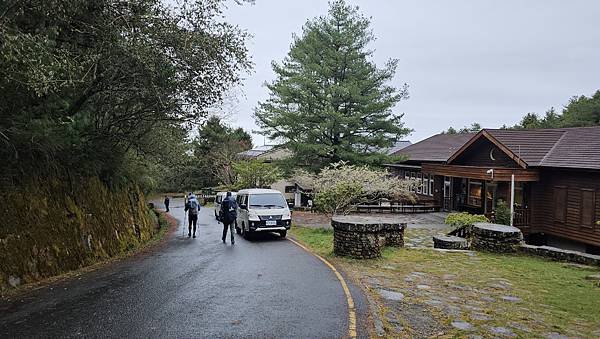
[502,213]
[338,198]
[464,219]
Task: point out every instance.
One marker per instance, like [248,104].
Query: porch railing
[521,217]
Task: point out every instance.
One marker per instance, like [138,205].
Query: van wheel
[283,233]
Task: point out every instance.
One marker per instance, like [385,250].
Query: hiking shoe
[189,235]
[194,236]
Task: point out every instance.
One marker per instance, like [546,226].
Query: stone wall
[496,238]
[364,237]
[561,255]
[450,242]
[51,226]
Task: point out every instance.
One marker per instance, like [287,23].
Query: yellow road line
[351,308]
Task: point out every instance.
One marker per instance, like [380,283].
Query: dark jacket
[228,212]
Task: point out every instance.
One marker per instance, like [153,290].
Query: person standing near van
[228,214]
[167,200]
[192,207]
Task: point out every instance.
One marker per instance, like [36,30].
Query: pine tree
[330,102]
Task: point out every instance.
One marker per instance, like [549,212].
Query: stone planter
[364,237]
[496,238]
[450,242]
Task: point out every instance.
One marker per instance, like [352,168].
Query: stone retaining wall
[54,225]
[561,255]
[496,238]
[364,237]
[450,242]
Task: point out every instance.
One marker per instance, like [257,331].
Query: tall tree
[475,127]
[84,82]
[216,150]
[329,101]
[582,111]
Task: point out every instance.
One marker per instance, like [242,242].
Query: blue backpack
[193,207]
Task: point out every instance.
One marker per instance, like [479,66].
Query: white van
[262,210]
[219,199]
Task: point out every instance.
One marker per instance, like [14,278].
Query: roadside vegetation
[526,296]
[110,88]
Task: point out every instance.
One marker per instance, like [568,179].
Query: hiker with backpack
[192,206]
[227,216]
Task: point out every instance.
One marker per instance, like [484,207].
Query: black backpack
[228,210]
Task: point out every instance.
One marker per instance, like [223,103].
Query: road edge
[349,299]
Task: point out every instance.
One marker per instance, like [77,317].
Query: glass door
[490,196]
[447,193]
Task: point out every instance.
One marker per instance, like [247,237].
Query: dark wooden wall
[565,194]
[478,154]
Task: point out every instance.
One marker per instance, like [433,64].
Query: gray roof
[400,144]
[575,147]
[437,148]
[253,153]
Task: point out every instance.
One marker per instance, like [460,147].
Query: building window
[588,202]
[290,189]
[419,183]
[560,203]
[474,198]
[431,185]
[426,184]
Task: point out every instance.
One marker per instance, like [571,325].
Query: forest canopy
[101,87]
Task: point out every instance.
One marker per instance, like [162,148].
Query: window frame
[431,184]
[557,191]
[591,214]
[476,183]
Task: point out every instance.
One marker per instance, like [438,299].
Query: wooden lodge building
[556,174]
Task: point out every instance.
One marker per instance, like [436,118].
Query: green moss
[46,224]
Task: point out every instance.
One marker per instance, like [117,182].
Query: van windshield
[268,200]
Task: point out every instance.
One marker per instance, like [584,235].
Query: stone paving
[414,301]
[421,227]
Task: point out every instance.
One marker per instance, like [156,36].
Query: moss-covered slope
[51,226]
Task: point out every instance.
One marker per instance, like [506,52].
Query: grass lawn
[495,295]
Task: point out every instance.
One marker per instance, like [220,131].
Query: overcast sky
[465,61]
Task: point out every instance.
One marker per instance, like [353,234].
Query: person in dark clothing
[227,216]
[167,200]
[192,207]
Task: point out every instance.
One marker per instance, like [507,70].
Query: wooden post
[512,198]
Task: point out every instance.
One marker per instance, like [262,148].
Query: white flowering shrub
[340,187]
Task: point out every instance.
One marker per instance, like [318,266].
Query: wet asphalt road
[267,287]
